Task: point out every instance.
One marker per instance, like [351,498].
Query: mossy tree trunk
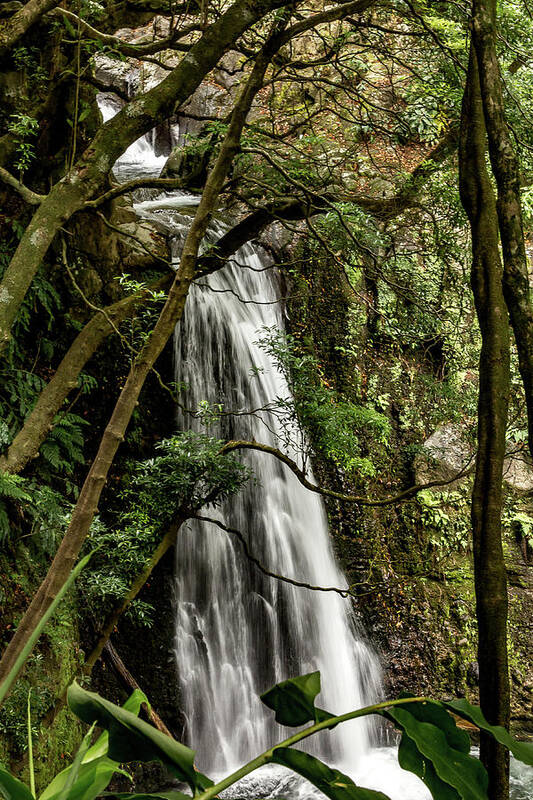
[494,381]
[506,170]
[90,174]
[87,504]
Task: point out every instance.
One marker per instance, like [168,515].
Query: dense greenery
[361,136]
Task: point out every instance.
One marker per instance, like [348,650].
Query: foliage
[20,388]
[24,130]
[445,517]
[88,775]
[12,721]
[188,472]
[5,686]
[431,746]
[339,427]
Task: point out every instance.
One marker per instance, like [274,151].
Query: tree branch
[28,195]
[402,497]
[126,48]
[253,560]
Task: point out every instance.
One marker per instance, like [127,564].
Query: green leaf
[97,769]
[454,767]
[171,795]
[294,700]
[13,789]
[133,704]
[132,739]
[411,759]
[91,780]
[76,765]
[436,714]
[331,782]
[522,751]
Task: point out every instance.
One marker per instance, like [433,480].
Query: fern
[63,447]
[11,489]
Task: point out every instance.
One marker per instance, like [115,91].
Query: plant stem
[30,748]
[267,756]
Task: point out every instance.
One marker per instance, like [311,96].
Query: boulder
[446,452]
[443,455]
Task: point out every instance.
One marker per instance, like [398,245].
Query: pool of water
[379,770]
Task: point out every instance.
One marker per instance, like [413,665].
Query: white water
[238,632]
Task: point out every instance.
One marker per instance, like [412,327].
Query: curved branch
[253,560]
[28,195]
[402,497]
[126,48]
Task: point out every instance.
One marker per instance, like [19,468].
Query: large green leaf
[454,767]
[134,702]
[411,759]
[434,712]
[91,779]
[11,788]
[132,739]
[76,765]
[331,782]
[294,700]
[523,751]
[96,769]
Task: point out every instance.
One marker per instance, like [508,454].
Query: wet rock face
[447,453]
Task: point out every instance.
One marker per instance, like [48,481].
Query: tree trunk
[90,175]
[494,380]
[166,543]
[39,422]
[87,504]
[130,683]
[506,169]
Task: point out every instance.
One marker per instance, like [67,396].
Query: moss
[48,672]
[410,564]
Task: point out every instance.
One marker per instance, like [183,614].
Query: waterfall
[238,632]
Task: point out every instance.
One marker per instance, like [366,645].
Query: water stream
[238,632]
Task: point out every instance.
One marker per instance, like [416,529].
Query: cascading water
[238,632]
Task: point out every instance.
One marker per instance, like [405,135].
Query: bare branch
[301,584]
[30,197]
[402,497]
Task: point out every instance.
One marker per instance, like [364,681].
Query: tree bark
[494,380]
[90,174]
[39,422]
[22,21]
[506,170]
[87,504]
